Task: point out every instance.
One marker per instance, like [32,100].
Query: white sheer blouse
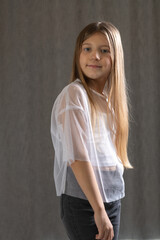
[74,139]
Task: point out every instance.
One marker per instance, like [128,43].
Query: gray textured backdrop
[37,39]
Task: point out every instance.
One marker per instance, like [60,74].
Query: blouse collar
[99,94]
[103,95]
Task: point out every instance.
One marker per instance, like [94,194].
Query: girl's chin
[95,78]
[90,76]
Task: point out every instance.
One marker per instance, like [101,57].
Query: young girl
[89,129]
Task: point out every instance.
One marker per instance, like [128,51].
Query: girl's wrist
[99,209]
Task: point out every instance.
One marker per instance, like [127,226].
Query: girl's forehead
[97,37]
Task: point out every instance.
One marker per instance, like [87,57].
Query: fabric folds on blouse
[74,139]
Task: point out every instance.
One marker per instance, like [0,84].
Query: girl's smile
[95,60]
[93,66]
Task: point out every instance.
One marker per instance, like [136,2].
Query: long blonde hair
[115,85]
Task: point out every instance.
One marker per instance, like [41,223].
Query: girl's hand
[105,228]
[85,176]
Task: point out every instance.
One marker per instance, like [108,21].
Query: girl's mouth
[93,66]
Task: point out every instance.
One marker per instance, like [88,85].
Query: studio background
[37,40]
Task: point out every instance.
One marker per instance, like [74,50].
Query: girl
[89,129]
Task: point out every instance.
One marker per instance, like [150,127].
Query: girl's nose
[95,55]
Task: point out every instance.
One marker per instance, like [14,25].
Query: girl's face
[95,58]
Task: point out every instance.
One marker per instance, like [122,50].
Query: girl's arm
[85,176]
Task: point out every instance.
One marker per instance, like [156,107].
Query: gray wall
[37,39]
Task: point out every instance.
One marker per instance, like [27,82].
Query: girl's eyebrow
[91,44]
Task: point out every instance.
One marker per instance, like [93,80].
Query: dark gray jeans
[78,217]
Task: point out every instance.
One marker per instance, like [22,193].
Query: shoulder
[73,88]
[74,94]
[76,90]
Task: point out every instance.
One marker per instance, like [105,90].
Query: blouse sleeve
[73,125]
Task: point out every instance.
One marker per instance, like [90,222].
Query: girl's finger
[106,236]
[100,235]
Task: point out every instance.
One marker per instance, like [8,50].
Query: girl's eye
[87,49]
[104,50]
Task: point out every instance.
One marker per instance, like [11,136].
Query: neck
[98,86]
